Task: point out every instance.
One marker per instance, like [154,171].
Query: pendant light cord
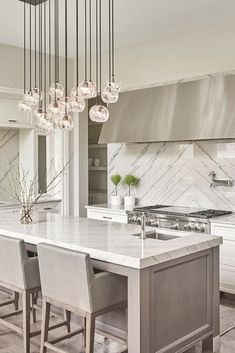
[85,39]
[35,46]
[24,47]
[49,25]
[56,34]
[110,42]
[97,50]
[77,43]
[40,57]
[45,57]
[113,39]
[100,47]
[30,46]
[90,23]
[66,49]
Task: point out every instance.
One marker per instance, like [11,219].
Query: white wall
[11,67]
[178,55]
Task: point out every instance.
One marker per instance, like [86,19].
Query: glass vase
[26,215]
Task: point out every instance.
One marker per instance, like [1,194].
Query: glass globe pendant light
[44,121]
[112,88]
[56,90]
[66,121]
[23,107]
[87,87]
[98,113]
[55,109]
[77,102]
[77,105]
[109,95]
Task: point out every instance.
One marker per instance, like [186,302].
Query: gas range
[176,218]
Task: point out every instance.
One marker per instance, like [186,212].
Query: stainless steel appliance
[197,110]
[175,218]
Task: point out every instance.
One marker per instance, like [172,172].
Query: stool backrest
[13,256]
[66,276]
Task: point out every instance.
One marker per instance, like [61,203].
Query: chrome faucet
[219,182]
[142,224]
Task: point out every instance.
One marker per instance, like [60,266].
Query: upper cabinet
[9,114]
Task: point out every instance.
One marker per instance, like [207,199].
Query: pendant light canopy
[44,94]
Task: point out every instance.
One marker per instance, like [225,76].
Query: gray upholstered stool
[68,281]
[20,274]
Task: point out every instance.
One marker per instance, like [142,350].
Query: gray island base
[173,285]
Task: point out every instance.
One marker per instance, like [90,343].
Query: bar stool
[68,281]
[20,274]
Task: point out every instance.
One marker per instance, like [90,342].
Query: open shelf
[97,176]
[98,169]
[96,145]
[94,192]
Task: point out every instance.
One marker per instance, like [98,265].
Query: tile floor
[12,343]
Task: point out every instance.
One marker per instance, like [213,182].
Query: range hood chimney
[196,110]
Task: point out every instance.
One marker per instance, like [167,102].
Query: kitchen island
[173,281]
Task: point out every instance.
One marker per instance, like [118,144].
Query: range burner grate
[209,214]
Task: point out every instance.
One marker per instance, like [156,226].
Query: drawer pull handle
[47,208]
[105,217]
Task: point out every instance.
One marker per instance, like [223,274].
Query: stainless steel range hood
[196,110]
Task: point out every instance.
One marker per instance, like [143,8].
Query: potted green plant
[131,181]
[116,200]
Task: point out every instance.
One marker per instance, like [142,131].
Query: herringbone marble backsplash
[176,173]
[9,155]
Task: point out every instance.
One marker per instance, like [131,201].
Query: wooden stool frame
[88,328]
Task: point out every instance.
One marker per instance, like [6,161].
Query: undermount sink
[158,236]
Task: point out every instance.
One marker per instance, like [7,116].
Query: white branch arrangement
[25,191]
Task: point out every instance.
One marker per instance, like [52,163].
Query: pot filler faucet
[219,182]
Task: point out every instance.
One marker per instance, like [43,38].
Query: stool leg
[34,302]
[26,320]
[45,324]
[83,321]
[90,333]
[16,294]
[68,319]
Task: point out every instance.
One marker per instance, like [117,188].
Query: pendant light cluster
[44,95]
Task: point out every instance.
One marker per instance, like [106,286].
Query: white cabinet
[11,117]
[227,255]
[53,207]
[107,215]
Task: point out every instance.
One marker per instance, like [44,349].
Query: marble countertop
[105,241]
[109,208]
[229,219]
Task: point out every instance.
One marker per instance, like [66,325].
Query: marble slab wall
[176,173]
[9,155]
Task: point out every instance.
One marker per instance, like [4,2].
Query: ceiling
[136,20]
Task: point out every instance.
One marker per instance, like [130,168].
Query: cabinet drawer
[107,216]
[54,207]
[227,279]
[228,233]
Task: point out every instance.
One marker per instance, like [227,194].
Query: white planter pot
[129,201]
[116,200]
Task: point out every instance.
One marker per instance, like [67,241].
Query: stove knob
[138,220]
[197,228]
[175,226]
[155,224]
[190,226]
[132,219]
[148,222]
[185,226]
[203,228]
